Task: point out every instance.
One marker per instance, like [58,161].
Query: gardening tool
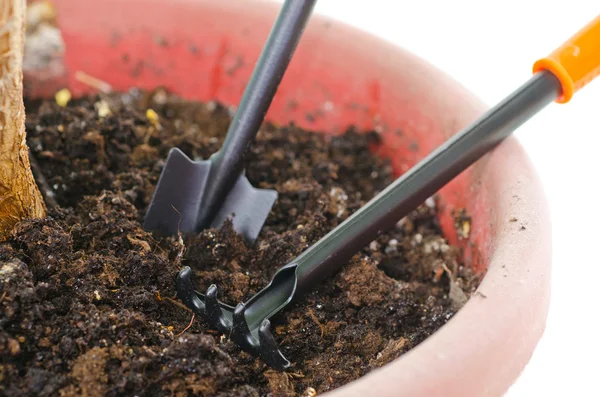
[555,78]
[193,195]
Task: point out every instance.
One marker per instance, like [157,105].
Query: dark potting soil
[87,298]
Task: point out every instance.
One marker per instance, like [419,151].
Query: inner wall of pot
[339,77]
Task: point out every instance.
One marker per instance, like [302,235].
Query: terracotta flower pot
[341,76]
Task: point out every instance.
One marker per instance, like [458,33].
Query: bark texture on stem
[20,197]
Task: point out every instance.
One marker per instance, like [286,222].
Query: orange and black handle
[576,62]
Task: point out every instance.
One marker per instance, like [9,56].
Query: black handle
[402,196]
[424,179]
[258,95]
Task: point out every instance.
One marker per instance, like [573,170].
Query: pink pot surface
[340,76]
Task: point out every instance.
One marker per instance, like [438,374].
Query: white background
[489,47]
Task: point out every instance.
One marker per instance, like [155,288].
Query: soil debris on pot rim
[87,299]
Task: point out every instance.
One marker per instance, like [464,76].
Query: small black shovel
[193,195]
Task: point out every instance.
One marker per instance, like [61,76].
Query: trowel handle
[267,75]
[576,62]
[227,163]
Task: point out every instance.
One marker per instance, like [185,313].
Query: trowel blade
[248,208]
[178,196]
[174,206]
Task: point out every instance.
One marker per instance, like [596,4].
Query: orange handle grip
[576,62]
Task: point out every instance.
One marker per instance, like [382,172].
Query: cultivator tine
[270,353]
[214,312]
[240,326]
[241,333]
[186,292]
